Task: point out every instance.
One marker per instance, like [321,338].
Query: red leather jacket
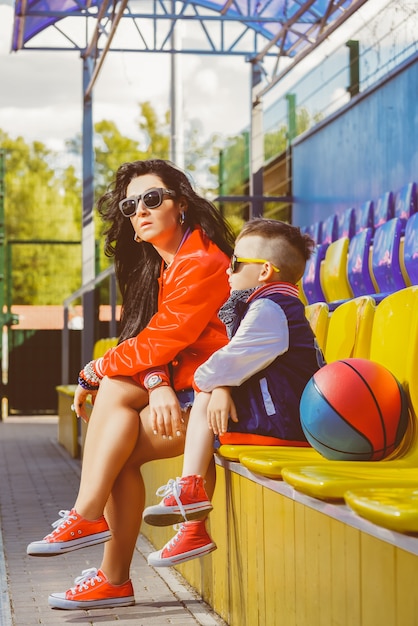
[186,330]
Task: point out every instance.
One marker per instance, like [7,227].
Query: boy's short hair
[294,250]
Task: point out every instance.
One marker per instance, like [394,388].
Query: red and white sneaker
[191,542]
[184,499]
[93,591]
[72,532]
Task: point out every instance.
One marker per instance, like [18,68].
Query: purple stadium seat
[329,229]
[406,203]
[347,224]
[315,231]
[358,263]
[384,209]
[411,249]
[311,282]
[365,216]
[385,258]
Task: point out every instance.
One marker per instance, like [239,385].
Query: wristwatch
[154,381]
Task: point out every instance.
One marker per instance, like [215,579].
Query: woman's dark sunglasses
[151,199]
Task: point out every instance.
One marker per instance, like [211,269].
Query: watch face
[153,381]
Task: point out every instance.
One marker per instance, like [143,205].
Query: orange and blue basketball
[354,410]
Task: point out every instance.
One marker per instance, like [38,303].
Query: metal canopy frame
[282,32]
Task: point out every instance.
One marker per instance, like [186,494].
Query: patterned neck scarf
[228,313]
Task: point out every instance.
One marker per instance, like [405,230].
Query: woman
[171,250]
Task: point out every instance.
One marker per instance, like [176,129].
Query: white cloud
[41,91]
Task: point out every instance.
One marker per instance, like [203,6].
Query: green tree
[41,205]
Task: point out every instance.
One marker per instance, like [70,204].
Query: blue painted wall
[364,150]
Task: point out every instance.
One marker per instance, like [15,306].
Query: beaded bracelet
[88,379]
[86,385]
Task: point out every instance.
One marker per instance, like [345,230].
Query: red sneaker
[93,591]
[184,499]
[71,533]
[191,542]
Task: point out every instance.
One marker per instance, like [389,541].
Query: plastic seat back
[394,327]
[384,209]
[410,249]
[318,316]
[311,281]
[329,231]
[102,345]
[365,216]
[349,330]
[347,223]
[358,271]
[333,272]
[406,203]
[315,231]
[386,264]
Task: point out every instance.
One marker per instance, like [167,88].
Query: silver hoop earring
[137,239]
[182,218]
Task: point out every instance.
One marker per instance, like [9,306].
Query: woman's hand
[165,412]
[80,398]
[221,407]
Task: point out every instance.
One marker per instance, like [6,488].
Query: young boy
[249,391]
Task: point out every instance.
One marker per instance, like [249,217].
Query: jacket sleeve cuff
[97,366]
[146,375]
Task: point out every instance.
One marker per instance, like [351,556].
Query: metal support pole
[112,303]
[256,144]
[176,126]
[87,240]
[3,330]
[354,86]
[291,116]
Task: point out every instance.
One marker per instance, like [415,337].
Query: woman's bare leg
[111,436]
[111,469]
[126,502]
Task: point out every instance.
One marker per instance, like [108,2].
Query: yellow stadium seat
[317,315]
[349,329]
[395,508]
[333,272]
[233,452]
[102,345]
[394,344]
[349,333]
[302,296]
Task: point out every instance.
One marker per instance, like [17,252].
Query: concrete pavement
[38,479]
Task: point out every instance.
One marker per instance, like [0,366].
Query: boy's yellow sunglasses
[235,260]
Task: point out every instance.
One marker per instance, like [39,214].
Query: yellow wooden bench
[71,431]
[286,559]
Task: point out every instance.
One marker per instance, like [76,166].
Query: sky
[41,92]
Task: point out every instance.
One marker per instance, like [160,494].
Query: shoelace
[87,579]
[65,518]
[172,488]
[180,528]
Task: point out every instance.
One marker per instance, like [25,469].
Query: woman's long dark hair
[138,265]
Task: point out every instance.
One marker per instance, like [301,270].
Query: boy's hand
[221,407]
[165,412]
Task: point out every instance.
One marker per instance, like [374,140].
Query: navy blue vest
[268,402]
